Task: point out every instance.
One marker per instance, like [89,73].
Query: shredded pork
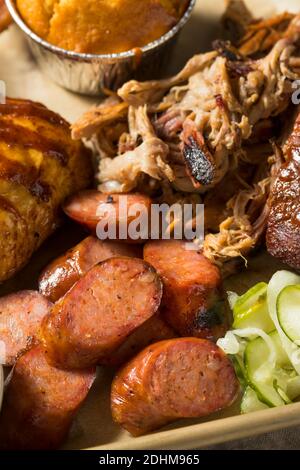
[205,133]
[121,174]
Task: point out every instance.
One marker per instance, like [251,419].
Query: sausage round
[179,378]
[192,302]
[40,403]
[58,278]
[96,316]
[21,316]
[152,331]
[90,208]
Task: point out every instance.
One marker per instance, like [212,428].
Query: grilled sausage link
[58,278]
[40,403]
[153,330]
[192,301]
[179,378]
[97,315]
[21,315]
[116,211]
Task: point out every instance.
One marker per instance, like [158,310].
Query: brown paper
[94,426]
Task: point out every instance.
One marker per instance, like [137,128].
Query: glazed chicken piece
[283,233]
[5,18]
[40,166]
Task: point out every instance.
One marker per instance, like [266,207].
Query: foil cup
[91,74]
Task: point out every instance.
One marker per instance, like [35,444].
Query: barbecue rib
[283,233]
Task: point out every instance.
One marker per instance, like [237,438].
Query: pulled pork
[240,232]
[206,131]
[196,122]
[255,38]
[121,174]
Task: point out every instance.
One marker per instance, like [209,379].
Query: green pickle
[251,310]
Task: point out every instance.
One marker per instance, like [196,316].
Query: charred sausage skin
[21,315]
[192,301]
[153,330]
[97,315]
[179,378]
[58,278]
[40,403]
[89,208]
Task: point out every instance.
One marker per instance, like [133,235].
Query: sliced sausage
[21,316]
[96,316]
[119,211]
[64,272]
[40,403]
[152,331]
[179,378]
[192,289]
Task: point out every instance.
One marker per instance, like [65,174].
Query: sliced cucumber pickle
[251,403]
[268,367]
[251,310]
[277,284]
[288,312]
[293,388]
[248,299]
[240,370]
[256,316]
[260,372]
[282,359]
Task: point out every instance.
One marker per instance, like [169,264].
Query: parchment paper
[94,426]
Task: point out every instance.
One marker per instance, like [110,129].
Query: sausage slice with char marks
[192,289]
[88,208]
[97,315]
[40,403]
[179,378]
[58,278]
[21,315]
[152,331]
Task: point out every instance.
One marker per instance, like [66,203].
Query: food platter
[94,428]
[190,434]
